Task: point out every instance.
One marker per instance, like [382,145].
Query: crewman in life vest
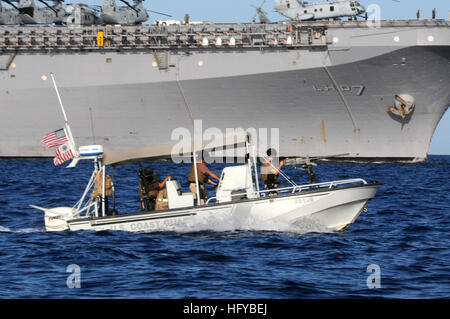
[269,171]
[98,190]
[204,176]
[150,189]
[162,200]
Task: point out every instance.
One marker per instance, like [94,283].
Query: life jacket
[152,189]
[162,201]
[202,178]
[98,185]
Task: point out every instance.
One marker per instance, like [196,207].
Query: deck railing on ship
[206,35]
[195,35]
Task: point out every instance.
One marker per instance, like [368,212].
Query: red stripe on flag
[63,154]
[55,138]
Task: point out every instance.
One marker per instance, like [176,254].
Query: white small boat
[238,204]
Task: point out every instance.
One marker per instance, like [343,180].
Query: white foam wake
[225,222]
[4,229]
[22,230]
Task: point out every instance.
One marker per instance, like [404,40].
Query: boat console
[177,199]
[235,180]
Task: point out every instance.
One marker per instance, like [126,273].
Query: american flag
[55,138]
[63,154]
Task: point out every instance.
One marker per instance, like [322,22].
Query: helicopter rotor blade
[129,5]
[48,6]
[164,14]
[11,4]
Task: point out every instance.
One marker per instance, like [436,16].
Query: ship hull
[322,101]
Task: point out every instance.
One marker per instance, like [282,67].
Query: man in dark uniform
[149,188]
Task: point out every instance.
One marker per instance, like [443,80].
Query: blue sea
[399,248]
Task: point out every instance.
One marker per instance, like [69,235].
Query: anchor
[402,107]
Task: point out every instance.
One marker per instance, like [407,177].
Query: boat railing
[88,207]
[315,186]
[298,188]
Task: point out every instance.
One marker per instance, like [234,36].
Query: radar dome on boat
[91,150]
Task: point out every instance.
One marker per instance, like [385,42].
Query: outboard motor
[56,218]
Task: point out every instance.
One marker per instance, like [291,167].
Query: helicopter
[9,16]
[30,13]
[82,14]
[303,11]
[262,15]
[128,15]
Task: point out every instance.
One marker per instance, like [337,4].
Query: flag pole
[67,127]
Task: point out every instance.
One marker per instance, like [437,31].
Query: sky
[241,11]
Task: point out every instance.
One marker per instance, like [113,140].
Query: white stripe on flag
[63,154]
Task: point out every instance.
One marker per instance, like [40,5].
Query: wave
[22,230]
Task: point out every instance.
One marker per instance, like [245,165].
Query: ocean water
[399,248]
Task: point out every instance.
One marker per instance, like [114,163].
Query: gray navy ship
[373,89]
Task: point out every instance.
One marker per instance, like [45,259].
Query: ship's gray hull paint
[133,103]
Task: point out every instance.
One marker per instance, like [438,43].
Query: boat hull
[332,209]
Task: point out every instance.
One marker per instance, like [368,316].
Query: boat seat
[177,199]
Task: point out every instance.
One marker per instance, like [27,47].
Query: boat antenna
[197,186]
[92,125]
[67,126]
